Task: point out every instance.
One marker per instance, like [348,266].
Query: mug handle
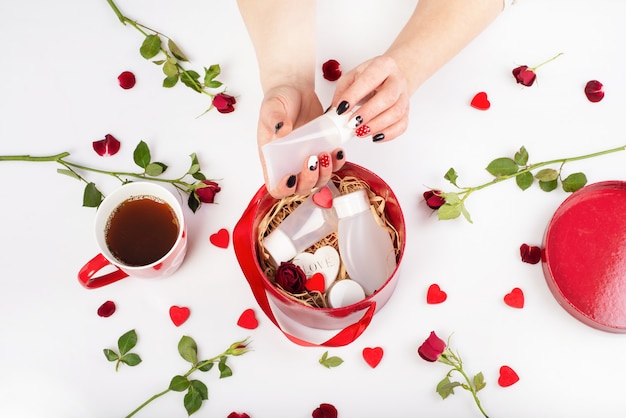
[86,274]
[245,253]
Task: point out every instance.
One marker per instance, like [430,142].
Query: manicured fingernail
[355,122]
[291,181]
[312,163]
[325,161]
[362,131]
[339,155]
[378,137]
[343,106]
[328,108]
[277,127]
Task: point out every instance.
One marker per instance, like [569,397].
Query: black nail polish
[277,127]
[291,181]
[328,108]
[339,155]
[378,137]
[343,106]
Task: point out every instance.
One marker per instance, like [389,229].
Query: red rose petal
[435,294]
[238,415]
[530,254]
[515,298]
[106,147]
[179,314]
[507,377]
[248,320]
[373,355]
[325,410]
[594,90]
[220,239]
[126,80]
[106,309]
[331,70]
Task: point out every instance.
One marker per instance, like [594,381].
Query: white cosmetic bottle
[306,225]
[365,247]
[285,156]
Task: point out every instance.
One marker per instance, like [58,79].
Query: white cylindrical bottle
[365,247]
[285,156]
[306,225]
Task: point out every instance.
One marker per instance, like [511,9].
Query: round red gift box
[353,318]
[584,255]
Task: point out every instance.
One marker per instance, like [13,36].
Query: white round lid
[279,246]
[351,203]
[345,292]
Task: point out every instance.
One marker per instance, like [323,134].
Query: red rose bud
[224,103]
[126,80]
[524,75]
[331,70]
[530,254]
[107,146]
[206,191]
[434,199]
[325,410]
[106,309]
[594,91]
[432,348]
[290,277]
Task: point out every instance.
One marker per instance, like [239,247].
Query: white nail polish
[312,163]
[355,122]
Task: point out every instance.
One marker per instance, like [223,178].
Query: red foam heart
[372,355]
[480,101]
[179,314]
[316,283]
[435,294]
[515,298]
[220,238]
[507,377]
[323,198]
[248,320]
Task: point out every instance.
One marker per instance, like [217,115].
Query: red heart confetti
[316,283]
[220,238]
[106,309]
[323,198]
[238,415]
[530,254]
[372,355]
[480,101]
[435,294]
[507,377]
[179,314]
[515,298]
[248,320]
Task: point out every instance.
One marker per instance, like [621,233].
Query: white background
[59,92]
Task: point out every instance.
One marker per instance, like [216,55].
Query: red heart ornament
[323,198]
[248,320]
[480,101]
[179,314]
[515,298]
[220,238]
[435,294]
[372,355]
[317,282]
[507,377]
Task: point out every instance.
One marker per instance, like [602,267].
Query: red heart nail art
[372,355]
[435,294]
[179,314]
[317,282]
[515,298]
[248,320]
[480,101]
[323,198]
[220,238]
[507,376]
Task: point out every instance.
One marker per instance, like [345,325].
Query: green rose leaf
[213,84]
[199,176]
[170,69]
[501,167]
[150,46]
[193,201]
[91,196]
[69,173]
[191,79]
[130,359]
[451,176]
[127,341]
[445,388]
[155,169]
[225,371]
[201,389]
[179,383]
[547,175]
[329,362]
[141,155]
[175,50]
[205,366]
[192,400]
[524,180]
[169,82]
[188,349]
[211,72]
[521,157]
[110,354]
[574,182]
[548,186]
[479,381]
